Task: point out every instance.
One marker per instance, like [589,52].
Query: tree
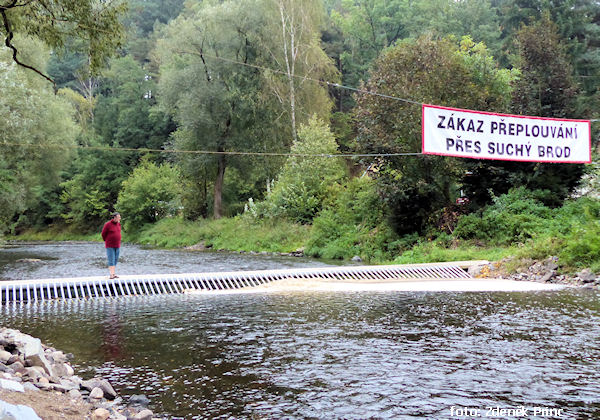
[576,21]
[37,132]
[545,88]
[219,105]
[55,21]
[370,26]
[125,115]
[425,71]
[295,53]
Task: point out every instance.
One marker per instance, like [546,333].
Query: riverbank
[570,253]
[277,237]
[39,377]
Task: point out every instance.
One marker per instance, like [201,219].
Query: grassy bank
[54,233]
[243,234]
[233,234]
[516,226]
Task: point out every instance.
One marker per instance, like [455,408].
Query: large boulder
[17,412]
[30,347]
[11,385]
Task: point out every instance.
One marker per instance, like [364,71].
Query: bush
[352,223]
[302,186]
[149,194]
[513,217]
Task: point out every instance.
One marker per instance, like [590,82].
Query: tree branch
[8,43]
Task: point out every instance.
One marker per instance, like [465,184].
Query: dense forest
[296,120]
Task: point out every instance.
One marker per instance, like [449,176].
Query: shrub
[149,194]
[513,217]
[352,223]
[304,181]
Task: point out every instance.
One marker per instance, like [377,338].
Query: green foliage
[351,223]
[433,251]
[368,27]
[149,194]
[55,21]
[305,179]
[545,87]
[235,234]
[513,217]
[218,105]
[124,114]
[91,191]
[428,71]
[36,132]
[571,232]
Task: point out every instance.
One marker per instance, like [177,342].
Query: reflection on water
[334,355]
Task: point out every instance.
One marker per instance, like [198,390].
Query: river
[323,355]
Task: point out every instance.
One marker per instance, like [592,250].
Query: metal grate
[160,284]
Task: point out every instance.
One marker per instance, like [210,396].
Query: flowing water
[319,354]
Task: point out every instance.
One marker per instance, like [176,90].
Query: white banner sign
[483,135]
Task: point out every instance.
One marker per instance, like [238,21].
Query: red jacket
[111,233]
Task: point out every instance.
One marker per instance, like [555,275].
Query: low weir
[161,284]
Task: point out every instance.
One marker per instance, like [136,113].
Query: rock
[11,386]
[70,371]
[15,358]
[587,276]
[143,415]
[140,400]
[5,356]
[28,386]
[18,367]
[44,381]
[29,260]
[100,414]
[32,373]
[17,412]
[61,388]
[103,384]
[476,270]
[200,246]
[69,384]
[97,394]
[45,385]
[30,347]
[74,393]
[356,258]
[58,357]
[39,359]
[548,276]
[60,369]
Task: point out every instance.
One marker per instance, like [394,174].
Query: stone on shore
[11,385]
[100,414]
[103,384]
[143,415]
[96,394]
[17,412]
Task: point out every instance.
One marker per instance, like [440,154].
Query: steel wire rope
[277,154]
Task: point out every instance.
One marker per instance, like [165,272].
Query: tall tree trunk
[218,192]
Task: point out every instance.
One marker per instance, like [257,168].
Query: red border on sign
[501,115]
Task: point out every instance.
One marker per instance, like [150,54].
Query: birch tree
[297,62]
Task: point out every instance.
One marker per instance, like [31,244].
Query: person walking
[111,234]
